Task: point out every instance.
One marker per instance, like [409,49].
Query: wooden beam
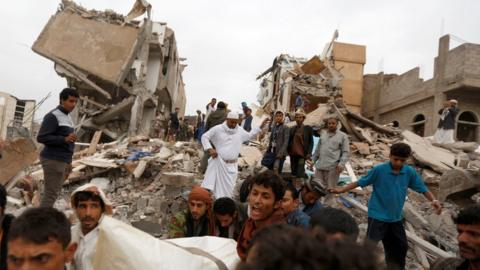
[370,123]
[87,100]
[420,253]
[93,144]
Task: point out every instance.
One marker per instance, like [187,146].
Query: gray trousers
[54,174]
[328,179]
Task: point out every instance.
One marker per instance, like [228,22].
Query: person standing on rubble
[216,118]
[223,142]
[197,220]
[210,108]
[247,119]
[300,145]
[276,152]
[446,124]
[330,156]
[174,125]
[57,133]
[391,181]
[468,227]
[90,204]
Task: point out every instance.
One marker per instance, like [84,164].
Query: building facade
[414,103]
[16,116]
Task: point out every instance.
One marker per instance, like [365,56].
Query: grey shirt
[332,149]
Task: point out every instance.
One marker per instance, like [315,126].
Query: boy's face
[397,162]
[278,118]
[69,104]
[262,202]
[25,255]
[289,204]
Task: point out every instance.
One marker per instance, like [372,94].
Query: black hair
[292,189]
[278,113]
[224,206]
[285,247]
[396,124]
[82,196]
[214,99]
[469,215]
[221,105]
[3,197]
[333,220]
[40,226]
[400,150]
[68,92]
[332,117]
[271,180]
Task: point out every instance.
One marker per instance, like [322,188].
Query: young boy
[391,181]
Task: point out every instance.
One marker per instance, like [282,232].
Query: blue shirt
[311,209]
[390,190]
[298,218]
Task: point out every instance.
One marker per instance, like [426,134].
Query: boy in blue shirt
[390,182]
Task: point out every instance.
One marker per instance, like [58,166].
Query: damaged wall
[403,97]
[16,116]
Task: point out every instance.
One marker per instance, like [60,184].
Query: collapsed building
[338,72]
[127,71]
[16,116]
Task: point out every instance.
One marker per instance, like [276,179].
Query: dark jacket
[174,122]
[56,125]
[307,138]
[281,140]
[216,118]
[247,125]
[449,121]
[7,221]
[237,225]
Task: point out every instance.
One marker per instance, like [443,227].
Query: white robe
[221,176]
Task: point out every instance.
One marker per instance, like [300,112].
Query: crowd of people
[279,220]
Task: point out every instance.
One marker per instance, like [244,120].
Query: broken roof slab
[101,49]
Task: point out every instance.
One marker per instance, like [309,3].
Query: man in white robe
[223,142]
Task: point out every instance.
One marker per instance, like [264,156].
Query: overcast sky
[228,43]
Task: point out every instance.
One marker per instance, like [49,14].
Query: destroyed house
[126,70]
[414,103]
[338,73]
[16,116]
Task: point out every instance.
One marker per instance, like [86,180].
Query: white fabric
[86,247]
[443,136]
[123,247]
[220,176]
[233,115]
[210,109]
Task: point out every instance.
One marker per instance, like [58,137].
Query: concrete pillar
[439,76]
[378,91]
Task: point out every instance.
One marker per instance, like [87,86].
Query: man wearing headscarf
[223,143]
[90,204]
[198,219]
[446,124]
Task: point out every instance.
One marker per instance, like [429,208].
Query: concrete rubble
[127,71]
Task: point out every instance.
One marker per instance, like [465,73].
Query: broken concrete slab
[363,148]
[177,179]
[16,155]
[457,182]
[439,159]
[251,155]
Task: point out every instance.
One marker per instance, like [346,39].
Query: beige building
[414,103]
[349,60]
[16,116]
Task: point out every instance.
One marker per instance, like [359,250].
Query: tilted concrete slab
[99,48]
